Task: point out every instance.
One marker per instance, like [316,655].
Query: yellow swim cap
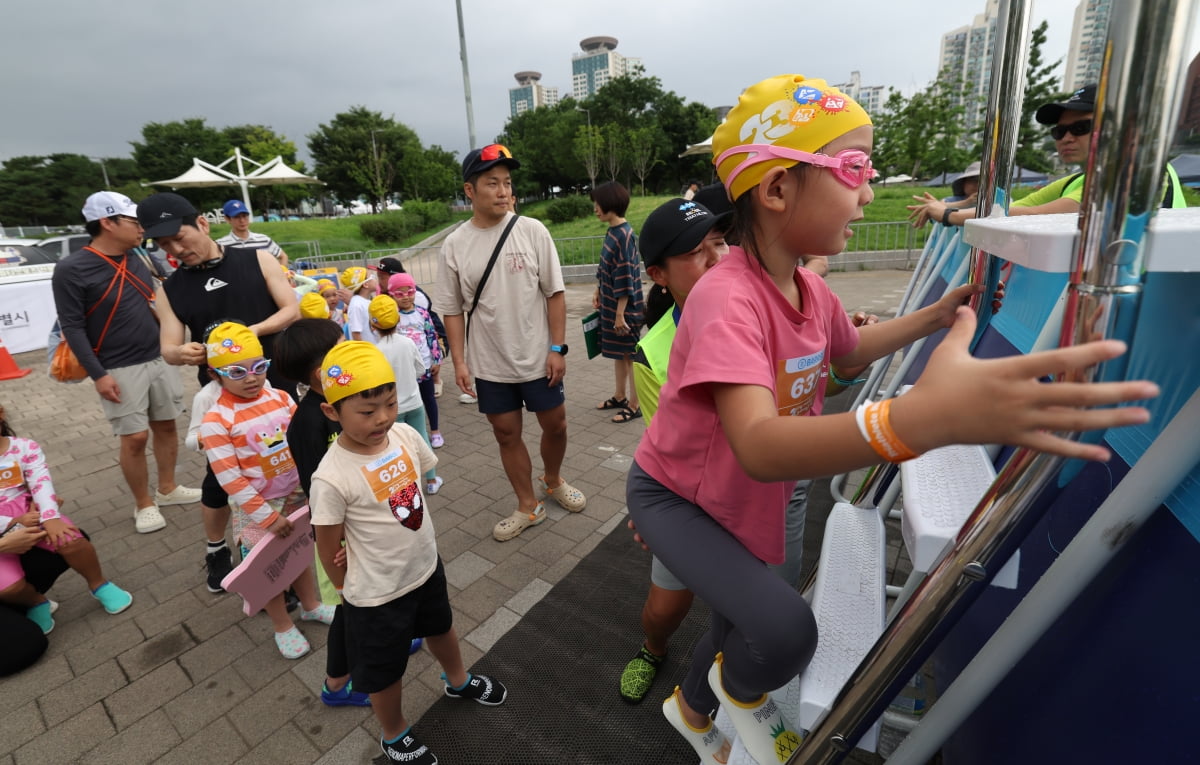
[313,306]
[231,343]
[384,312]
[353,367]
[354,278]
[789,110]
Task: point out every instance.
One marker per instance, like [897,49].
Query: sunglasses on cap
[235,372]
[851,167]
[494,151]
[1082,127]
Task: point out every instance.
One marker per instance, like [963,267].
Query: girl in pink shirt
[712,476]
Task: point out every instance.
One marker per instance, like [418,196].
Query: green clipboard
[591,334]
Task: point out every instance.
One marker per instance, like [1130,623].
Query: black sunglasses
[1082,127]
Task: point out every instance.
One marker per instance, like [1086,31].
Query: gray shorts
[150,392]
[661,576]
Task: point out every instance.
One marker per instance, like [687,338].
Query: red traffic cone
[8,368]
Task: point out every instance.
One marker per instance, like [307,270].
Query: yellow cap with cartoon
[231,343]
[313,306]
[788,110]
[354,278]
[352,367]
[384,312]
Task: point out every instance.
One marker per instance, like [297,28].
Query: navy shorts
[378,637]
[535,395]
[211,492]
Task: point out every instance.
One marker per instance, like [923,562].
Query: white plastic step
[941,489]
[848,602]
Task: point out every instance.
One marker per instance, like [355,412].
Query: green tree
[433,174]
[168,148]
[544,141]
[1035,149]
[612,155]
[50,190]
[589,146]
[643,153]
[262,144]
[923,135]
[358,154]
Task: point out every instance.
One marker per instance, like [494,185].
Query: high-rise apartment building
[1088,35]
[966,53]
[596,65]
[869,97]
[530,93]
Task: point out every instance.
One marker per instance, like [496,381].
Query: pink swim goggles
[851,167]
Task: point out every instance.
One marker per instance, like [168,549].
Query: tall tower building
[1086,53]
[596,65]
[530,93]
[869,97]
[966,53]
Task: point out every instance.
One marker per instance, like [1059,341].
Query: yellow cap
[231,343]
[788,110]
[384,312]
[352,367]
[354,278]
[313,306]
[324,286]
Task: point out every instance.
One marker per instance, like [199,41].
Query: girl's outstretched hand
[963,400]
[947,307]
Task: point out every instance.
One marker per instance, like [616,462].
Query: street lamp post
[103,170]
[378,169]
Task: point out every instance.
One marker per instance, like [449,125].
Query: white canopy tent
[704,147]
[269,173]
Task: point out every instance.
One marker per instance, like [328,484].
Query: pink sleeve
[37,478]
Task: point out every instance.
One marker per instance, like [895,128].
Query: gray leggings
[762,625]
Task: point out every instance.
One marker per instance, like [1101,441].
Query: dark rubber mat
[562,664]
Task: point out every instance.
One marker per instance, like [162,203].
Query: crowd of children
[728,434]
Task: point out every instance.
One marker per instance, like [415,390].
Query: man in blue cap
[240,234]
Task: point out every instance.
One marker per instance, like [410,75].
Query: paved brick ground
[183,676]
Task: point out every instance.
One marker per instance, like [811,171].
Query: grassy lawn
[343,235]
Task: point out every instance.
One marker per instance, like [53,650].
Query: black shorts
[536,395]
[378,637]
[211,493]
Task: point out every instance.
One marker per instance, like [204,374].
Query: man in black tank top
[213,284]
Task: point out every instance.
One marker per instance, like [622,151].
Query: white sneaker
[148,519]
[180,495]
[434,486]
[466,398]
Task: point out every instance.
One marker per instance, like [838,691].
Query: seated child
[404,356]
[27,499]
[243,438]
[367,491]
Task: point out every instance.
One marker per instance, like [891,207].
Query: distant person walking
[240,234]
[105,304]
[618,297]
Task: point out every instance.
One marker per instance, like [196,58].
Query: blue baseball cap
[234,207]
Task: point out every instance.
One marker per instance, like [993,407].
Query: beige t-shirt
[510,330]
[390,544]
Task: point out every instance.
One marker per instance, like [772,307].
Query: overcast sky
[83,77]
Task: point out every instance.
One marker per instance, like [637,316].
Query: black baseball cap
[716,199]
[162,214]
[389,266]
[482,160]
[675,227]
[1082,100]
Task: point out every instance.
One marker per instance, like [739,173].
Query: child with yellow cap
[362,287]
[244,438]
[314,306]
[367,491]
[714,471]
[403,354]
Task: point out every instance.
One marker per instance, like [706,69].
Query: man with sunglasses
[105,304]
[1072,128]
[507,331]
[213,284]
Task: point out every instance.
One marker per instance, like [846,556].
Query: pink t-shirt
[738,328]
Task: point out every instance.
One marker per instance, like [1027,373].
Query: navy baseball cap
[482,160]
[234,207]
[1082,100]
[674,228]
[162,214]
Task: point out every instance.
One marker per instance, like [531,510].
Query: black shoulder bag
[488,272]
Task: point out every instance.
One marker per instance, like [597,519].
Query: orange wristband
[875,425]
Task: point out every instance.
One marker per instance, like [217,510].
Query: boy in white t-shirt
[362,287]
[367,490]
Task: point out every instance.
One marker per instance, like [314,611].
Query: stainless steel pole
[462,53]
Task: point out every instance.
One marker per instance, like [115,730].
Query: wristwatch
[559,349]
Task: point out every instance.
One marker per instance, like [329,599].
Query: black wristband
[946,217]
